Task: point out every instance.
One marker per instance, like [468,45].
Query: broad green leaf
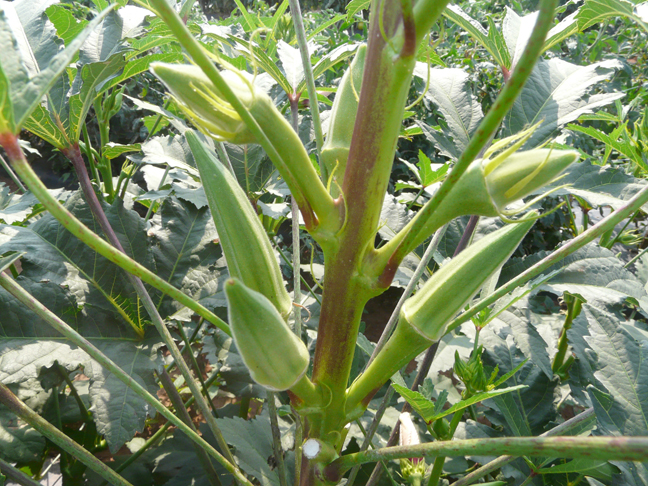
[325,25]
[492,40]
[599,186]
[187,254]
[249,19]
[118,412]
[252,440]
[18,441]
[527,337]
[624,147]
[583,466]
[108,39]
[337,55]
[40,50]
[40,123]
[139,65]
[595,11]
[354,6]
[556,93]
[66,24]
[172,151]
[6,106]
[450,91]
[523,413]
[90,82]
[565,28]
[113,150]
[622,369]
[426,408]
[95,285]
[251,165]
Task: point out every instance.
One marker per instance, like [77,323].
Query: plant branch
[576,243]
[105,249]
[54,321]
[420,228]
[13,403]
[599,448]
[300,33]
[16,474]
[502,460]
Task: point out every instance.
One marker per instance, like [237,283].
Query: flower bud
[335,150]
[246,246]
[488,186]
[274,355]
[204,105]
[454,284]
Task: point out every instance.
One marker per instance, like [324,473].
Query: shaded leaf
[557,93]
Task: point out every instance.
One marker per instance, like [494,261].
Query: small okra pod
[335,150]
[424,317]
[274,355]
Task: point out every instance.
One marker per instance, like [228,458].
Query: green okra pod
[424,316]
[248,251]
[335,150]
[274,355]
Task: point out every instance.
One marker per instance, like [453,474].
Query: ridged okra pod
[335,150]
[424,316]
[489,185]
[208,110]
[274,355]
[246,246]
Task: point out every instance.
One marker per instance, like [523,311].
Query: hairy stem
[599,448]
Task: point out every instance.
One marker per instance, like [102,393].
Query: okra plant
[319,375]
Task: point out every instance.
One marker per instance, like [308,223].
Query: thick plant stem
[419,229]
[502,460]
[105,249]
[181,411]
[598,448]
[570,247]
[13,403]
[385,86]
[54,321]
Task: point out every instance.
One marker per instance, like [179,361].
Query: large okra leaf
[32,57]
[557,93]
[621,356]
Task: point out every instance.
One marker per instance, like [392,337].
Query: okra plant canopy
[214,312]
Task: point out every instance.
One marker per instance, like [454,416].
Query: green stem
[14,404]
[300,34]
[572,218]
[302,179]
[105,249]
[599,448]
[296,242]
[419,228]
[89,155]
[194,363]
[636,257]
[11,173]
[16,474]
[82,407]
[581,240]
[54,321]
[573,309]
[181,411]
[276,439]
[614,240]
